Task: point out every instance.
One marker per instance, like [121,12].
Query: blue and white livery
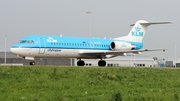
[32,47]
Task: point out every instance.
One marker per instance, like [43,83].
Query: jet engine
[121,46]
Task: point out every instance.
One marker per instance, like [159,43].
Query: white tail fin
[138,31]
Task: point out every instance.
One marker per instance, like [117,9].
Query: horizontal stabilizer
[152,23]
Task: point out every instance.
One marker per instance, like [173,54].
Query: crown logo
[123,45]
[137,29]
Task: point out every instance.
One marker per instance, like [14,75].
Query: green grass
[53,83]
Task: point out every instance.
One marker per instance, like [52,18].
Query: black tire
[80,63]
[32,63]
[102,63]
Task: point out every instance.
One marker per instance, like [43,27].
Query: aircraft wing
[100,53]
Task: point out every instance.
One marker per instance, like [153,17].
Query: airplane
[41,46]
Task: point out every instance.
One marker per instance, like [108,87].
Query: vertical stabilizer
[138,31]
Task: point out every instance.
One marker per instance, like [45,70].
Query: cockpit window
[23,41]
[27,41]
[30,41]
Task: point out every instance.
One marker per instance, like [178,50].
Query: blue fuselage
[57,42]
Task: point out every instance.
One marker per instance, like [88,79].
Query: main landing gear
[80,63]
[101,63]
[32,63]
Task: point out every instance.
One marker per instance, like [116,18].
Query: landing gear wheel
[102,63]
[80,63]
[32,63]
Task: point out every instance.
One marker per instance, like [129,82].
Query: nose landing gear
[32,63]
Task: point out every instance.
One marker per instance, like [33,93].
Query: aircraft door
[42,46]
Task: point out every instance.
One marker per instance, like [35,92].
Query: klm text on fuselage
[134,33]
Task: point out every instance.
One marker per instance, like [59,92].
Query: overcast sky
[109,18]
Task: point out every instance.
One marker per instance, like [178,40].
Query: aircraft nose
[14,50]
